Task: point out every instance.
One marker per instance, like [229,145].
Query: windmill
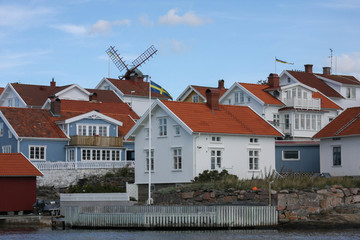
[131,70]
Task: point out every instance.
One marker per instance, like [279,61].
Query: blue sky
[198,42]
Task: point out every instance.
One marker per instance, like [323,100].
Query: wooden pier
[170,216]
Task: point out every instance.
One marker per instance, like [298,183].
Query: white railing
[82,165]
[93,197]
[312,103]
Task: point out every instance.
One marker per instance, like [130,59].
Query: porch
[312,103]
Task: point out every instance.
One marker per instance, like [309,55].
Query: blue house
[71,134]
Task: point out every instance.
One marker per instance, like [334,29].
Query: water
[48,234]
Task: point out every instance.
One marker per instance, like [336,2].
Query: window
[229,101]
[254,140]
[1,129]
[151,160]
[276,120]
[37,153]
[6,149]
[302,121]
[351,93]
[331,118]
[216,139]
[215,159]
[162,127]
[195,98]
[177,130]
[177,158]
[130,155]
[241,97]
[307,116]
[10,102]
[147,134]
[297,126]
[318,122]
[253,159]
[336,156]
[313,122]
[92,130]
[287,121]
[249,99]
[71,155]
[290,155]
[86,154]
[237,97]
[100,155]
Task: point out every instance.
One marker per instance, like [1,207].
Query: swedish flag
[158,89]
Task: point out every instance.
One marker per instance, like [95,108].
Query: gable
[16,164]
[73,92]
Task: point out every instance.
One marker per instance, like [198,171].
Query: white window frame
[276,119]
[177,130]
[88,129]
[340,156]
[71,155]
[9,133]
[254,159]
[254,140]
[216,158]
[195,98]
[162,126]
[177,158]
[350,93]
[1,129]
[6,149]
[100,155]
[34,158]
[216,139]
[151,160]
[290,159]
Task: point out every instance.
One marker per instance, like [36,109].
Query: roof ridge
[348,124]
[235,118]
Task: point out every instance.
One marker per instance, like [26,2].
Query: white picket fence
[82,165]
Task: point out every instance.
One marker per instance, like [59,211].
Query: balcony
[100,141]
[312,103]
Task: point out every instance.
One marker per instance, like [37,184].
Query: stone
[356,199]
[212,194]
[242,191]
[206,196]
[336,186]
[348,200]
[187,195]
[335,201]
[346,192]
[285,191]
[324,204]
[228,199]
[354,191]
[322,191]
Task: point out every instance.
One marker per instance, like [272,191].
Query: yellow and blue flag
[158,89]
[281,61]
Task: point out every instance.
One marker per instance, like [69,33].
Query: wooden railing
[96,141]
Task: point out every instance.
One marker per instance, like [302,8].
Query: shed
[17,182]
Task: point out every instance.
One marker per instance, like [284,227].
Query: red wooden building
[17,182]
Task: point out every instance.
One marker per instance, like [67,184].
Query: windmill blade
[144,57]
[114,56]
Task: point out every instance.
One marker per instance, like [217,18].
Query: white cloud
[101,27]
[16,15]
[145,21]
[189,18]
[347,64]
[173,46]
[11,60]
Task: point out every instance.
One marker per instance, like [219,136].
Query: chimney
[55,106]
[212,99]
[274,80]
[93,97]
[53,83]
[221,84]
[308,68]
[326,70]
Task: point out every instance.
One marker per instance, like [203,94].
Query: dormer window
[351,93]
[92,130]
[195,98]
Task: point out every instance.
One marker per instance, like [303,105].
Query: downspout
[194,152]
[18,145]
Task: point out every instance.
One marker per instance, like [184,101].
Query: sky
[198,42]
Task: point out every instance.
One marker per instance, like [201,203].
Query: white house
[344,90]
[188,138]
[339,144]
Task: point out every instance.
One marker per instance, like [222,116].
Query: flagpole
[275,64]
[149,197]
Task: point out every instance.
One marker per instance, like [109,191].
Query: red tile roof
[325,102]
[344,79]
[141,88]
[202,90]
[228,120]
[346,124]
[258,91]
[31,122]
[36,95]
[311,80]
[16,164]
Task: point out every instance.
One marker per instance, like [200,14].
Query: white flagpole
[149,199]
[275,64]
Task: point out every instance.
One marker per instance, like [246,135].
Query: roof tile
[16,164]
[258,91]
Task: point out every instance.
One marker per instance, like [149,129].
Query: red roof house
[17,182]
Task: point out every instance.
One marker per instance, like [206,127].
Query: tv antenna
[331,57]
[131,70]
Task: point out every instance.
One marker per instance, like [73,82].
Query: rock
[356,199]
[346,192]
[206,196]
[322,191]
[284,191]
[187,195]
[354,191]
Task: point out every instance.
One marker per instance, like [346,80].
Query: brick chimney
[212,98]
[274,80]
[93,97]
[221,84]
[308,68]
[55,106]
[53,83]
[326,70]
